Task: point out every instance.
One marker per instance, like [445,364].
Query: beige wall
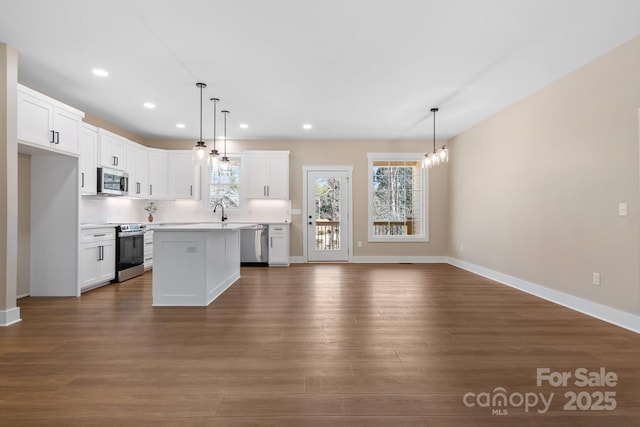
[103,124]
[534,190]
[304,153]
[24,223]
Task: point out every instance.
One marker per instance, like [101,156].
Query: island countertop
[205,226]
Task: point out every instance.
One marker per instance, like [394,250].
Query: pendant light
[225,164]
[214,155]
[441,155]
[200,150]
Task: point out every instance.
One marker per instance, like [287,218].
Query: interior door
[327,215]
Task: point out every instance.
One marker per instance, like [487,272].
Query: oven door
[129,250]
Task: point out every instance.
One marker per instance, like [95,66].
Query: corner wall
[534,190]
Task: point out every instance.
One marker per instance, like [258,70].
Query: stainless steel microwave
[112,182]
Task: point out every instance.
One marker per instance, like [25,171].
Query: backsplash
[98,209]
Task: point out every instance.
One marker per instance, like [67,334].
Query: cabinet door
[67,131]
[256,166]
[112,151]
[279,245]
[88,160]
[88,265]
[278,182]
[34,120]
[107,265]
[182,176]
[138,169]
[158,175]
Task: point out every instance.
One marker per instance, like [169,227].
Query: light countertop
[202,227]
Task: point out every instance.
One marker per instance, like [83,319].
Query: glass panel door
[327,211]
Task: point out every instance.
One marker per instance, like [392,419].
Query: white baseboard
[399,259]
[297,260]
[9,317]
[599,311]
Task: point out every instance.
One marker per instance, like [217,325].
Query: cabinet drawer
[90,235]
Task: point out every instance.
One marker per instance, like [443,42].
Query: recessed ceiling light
[181,125]
[244,126]
[306,126]
[100,72]
[149,105]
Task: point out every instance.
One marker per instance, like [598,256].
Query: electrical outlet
[622,209]
[359,243]
[461,247]
[596,279]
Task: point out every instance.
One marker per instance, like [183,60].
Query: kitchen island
[195,263]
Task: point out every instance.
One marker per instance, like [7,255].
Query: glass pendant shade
[200,149]
[225,164]
[437,156]
[213,160]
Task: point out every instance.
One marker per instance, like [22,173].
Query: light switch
[622,209]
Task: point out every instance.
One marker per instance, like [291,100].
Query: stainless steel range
[129,251]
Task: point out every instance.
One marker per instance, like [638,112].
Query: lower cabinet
[97,257]
[148,250]
[279,245]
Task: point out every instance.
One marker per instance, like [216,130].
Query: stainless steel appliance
[254,245]
[112,182]
[129,251]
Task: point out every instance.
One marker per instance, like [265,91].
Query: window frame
[417,157]
[206,188]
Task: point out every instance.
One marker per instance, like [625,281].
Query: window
[397,199]
[225,188]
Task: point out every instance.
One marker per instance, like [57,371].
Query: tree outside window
[225,188]
[397,208]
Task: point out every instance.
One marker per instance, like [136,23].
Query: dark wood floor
[315,344]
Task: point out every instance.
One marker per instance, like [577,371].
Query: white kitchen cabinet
[148,250]
[45,122]
[268,174]
[158,181]
[279,245]
[183,174]
[97,257]
[138,170]
[112,150]
[88,160]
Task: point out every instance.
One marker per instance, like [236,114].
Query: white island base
[194,264]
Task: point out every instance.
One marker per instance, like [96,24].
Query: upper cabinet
[88,159]
[112,150]
[138,170]
[45,122]
[269,176]
[183,176]
[158,182]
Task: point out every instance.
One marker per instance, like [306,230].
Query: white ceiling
[355,69]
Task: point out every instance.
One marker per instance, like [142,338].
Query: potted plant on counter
[151,208]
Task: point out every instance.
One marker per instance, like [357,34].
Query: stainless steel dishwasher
[254,245]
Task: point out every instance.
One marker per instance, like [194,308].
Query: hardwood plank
[313,344]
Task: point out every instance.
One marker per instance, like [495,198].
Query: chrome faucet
[224,217]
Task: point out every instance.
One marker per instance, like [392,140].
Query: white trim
[10,317]
[611,315]
[297,260]
[400,259]
[23,295]
[332,168]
